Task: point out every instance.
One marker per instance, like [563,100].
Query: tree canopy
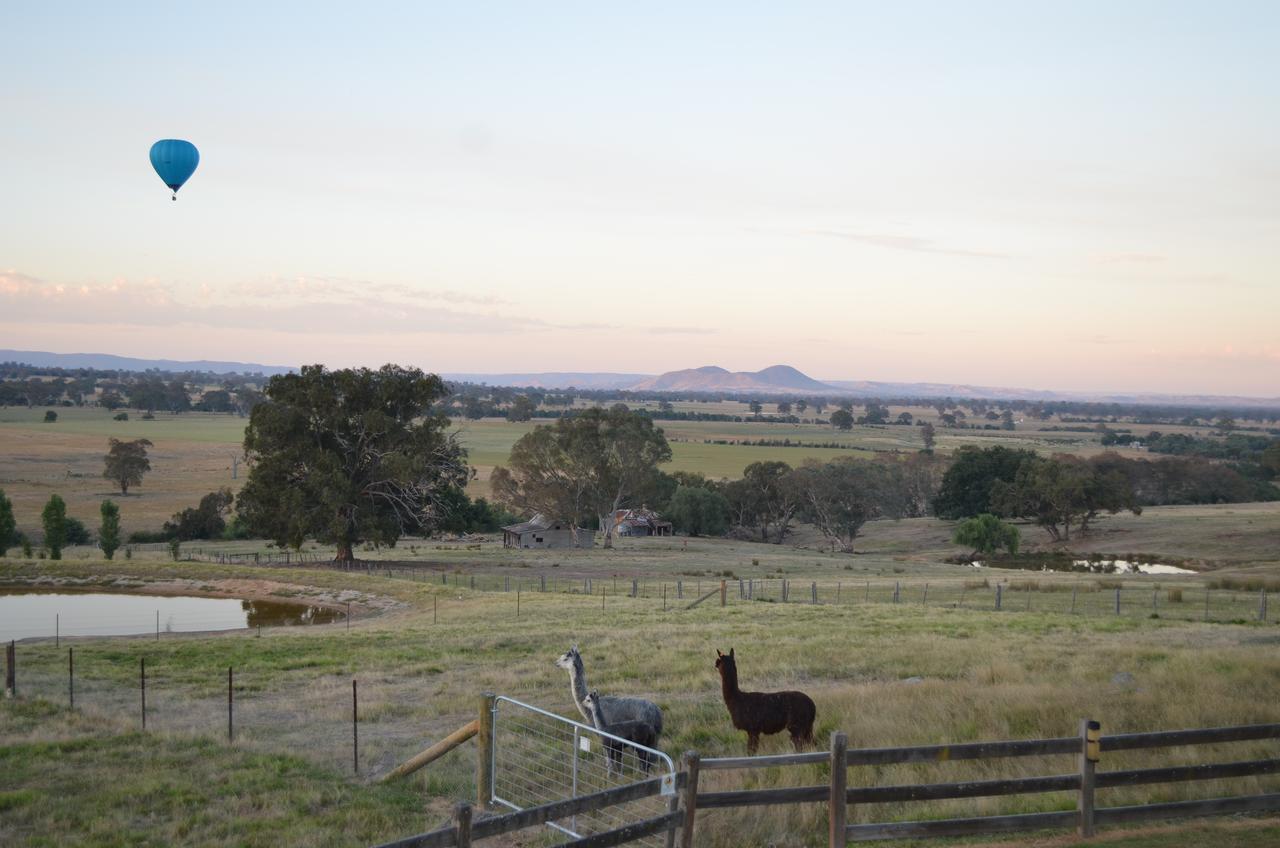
[109,530]
[842,495]
[349,456]
[589,464]
[126,462]
[986,534]
[966,487]
[8,524]
[53,518]
[1063,490]
[699,511]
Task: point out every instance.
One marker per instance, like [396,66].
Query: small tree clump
[109,531]
[54,519]
[126,462]
[8,525]
[987,534]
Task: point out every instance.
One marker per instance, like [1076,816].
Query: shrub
[120,416]
[50,417]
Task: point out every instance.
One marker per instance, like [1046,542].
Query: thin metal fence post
[1090,734]
[1117,600]
[1262,605]
[813,588]
[157,625]
[1074,589]
[144,692]
[999,594]
[1206,603]
[57,630]
[837,834]
[355,728]
[71,677]
[1155,600]
[230,727]
[924,601]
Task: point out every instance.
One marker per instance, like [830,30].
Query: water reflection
[26,613]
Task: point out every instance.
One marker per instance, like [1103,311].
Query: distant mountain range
[111,362]
[554,380]
[774,380]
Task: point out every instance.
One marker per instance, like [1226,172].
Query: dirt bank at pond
[239,588]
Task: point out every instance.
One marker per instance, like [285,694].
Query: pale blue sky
[1066,195]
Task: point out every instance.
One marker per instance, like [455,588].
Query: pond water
[1122,566]
[26,613]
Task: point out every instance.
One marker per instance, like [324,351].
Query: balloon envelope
[175,161]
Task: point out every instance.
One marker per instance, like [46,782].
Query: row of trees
[60,529]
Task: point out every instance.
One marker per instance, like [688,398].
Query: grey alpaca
[639,732]
[614,709]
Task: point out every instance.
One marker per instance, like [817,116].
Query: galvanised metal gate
[540,757]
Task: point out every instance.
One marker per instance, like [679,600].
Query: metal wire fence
[366,729]
[540,757]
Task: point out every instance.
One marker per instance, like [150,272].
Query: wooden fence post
[837,834]
[1090,733]
[462,824]
[724,590]
[999,592]
[484,753]
[691,760]
[1117,600]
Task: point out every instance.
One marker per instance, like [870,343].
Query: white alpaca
[613,709]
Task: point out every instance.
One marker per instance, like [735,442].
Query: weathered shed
[542,532]
[640,522]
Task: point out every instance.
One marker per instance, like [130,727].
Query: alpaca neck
[579,678]
[596,719]
[729,681]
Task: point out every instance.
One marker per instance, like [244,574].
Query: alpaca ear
[731,653]
[718,654]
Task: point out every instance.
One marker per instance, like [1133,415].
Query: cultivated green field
[423,646]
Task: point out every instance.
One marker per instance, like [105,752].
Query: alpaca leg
[753,743]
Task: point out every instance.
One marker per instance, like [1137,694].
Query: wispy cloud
[1128,258]
[302,304]
[915,244]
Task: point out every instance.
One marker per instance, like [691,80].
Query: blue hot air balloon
[175,161]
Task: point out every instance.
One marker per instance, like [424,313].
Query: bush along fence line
[1093,595]
[677,825]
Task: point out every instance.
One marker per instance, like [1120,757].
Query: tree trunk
[344,552]
[606,524]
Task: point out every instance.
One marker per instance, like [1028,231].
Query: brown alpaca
[765,712]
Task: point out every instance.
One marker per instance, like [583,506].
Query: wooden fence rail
[1088,747]
[534,816]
